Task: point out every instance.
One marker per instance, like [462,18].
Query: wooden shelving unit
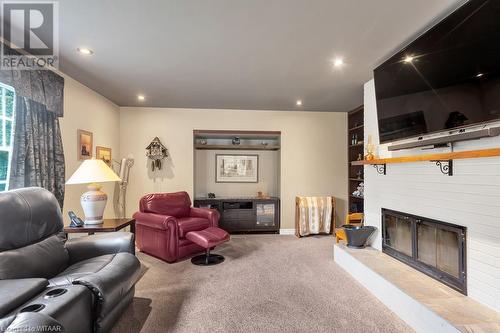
[233,147]
[249,140]
[355,149]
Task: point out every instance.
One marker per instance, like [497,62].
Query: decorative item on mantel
[236,141]
[156,151]
[370,149]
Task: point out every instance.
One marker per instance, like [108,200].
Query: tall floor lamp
[125,165]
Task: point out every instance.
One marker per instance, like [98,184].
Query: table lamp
[94,201]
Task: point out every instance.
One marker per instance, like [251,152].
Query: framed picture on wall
[103,153]
[236,168]
[84,139]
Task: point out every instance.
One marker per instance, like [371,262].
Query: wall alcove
[245,205]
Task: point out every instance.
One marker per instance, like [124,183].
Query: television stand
[245,215]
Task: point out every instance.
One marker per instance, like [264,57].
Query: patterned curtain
[37,155]
[42,86]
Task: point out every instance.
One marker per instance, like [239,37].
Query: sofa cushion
[44,259]
[81,269]
[19,291]
[188,224]
[28,215]
[30,322]
[209,237]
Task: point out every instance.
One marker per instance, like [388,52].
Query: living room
[300,166]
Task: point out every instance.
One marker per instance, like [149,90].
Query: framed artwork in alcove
[230,168]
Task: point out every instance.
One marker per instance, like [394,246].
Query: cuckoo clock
[156,151]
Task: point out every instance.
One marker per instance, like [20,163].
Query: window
[7,107]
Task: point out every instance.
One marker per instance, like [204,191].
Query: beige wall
[204,175]
[87,110]
[313,154]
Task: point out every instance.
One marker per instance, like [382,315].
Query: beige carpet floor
[268,283]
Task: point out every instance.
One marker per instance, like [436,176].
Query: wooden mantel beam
[433,157]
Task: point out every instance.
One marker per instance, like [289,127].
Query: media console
[245,215]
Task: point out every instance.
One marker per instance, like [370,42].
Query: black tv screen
[447,78]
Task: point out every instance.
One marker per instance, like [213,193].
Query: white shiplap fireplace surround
[470,198]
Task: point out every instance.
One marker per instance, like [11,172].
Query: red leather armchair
[164,220]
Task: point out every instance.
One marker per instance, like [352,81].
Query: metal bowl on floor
[358,235]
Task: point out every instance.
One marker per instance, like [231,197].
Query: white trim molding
[287,231]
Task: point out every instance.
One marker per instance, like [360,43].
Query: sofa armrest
[212,215]
[155,229]
[16,292]
[155,221]
[111,283]
[83,248]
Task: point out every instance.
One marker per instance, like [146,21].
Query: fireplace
[433,247]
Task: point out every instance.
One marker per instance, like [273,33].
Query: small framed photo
[103,153]
[84,145]
[236,168]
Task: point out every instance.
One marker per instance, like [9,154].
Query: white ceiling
[237,54]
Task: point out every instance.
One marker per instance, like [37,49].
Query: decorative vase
[93,203]
[370,149]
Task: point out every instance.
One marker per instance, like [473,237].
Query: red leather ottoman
[208,238]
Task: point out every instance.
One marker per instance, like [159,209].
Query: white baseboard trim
[287,231]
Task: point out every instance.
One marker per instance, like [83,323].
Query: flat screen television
[447,78]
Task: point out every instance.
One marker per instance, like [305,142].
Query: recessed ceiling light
[408,59]
[479,74]
[338,62]
[298,103]
[141,97]
[84,50]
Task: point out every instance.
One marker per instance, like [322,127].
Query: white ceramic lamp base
[93,203]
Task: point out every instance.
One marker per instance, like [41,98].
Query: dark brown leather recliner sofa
[77,285]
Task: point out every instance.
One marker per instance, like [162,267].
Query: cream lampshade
[94,201]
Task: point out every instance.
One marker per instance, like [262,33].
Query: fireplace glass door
[433,247]
[398,234]
[438,248]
